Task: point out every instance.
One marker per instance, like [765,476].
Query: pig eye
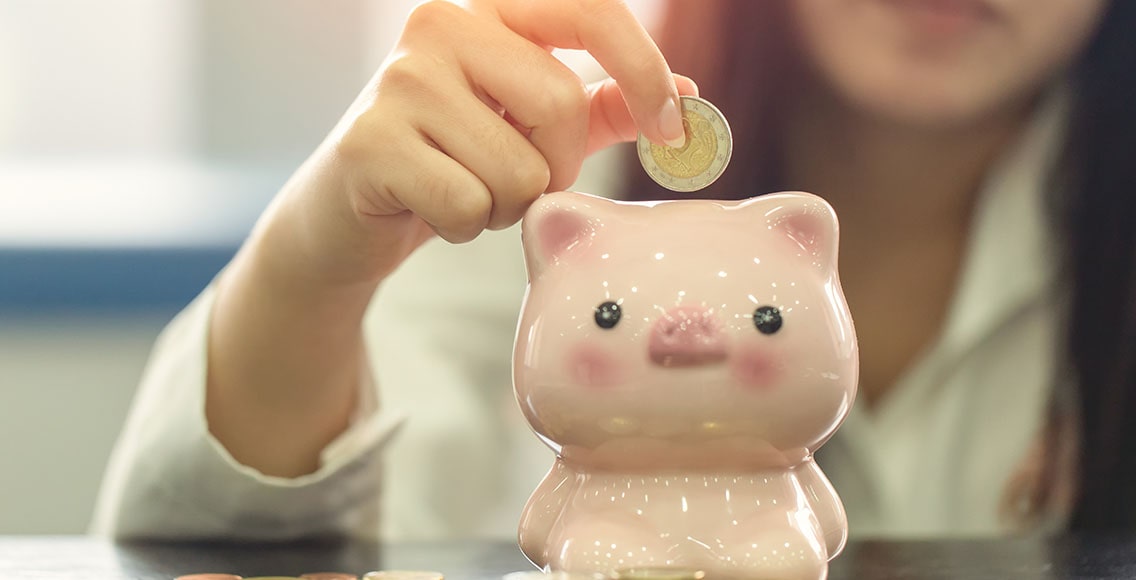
[767,319]
[607,315]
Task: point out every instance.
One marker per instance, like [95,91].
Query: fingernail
[670,125]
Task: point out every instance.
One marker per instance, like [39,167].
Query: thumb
[610,120]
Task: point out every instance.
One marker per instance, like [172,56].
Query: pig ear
[558,226]
[807,222]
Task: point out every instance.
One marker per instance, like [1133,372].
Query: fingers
[513,170]
[430,146]
[472,118]
[610,121]
[443,193]
[537,91]
[609,31]
[404,172]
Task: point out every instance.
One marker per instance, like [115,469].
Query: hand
[471,118]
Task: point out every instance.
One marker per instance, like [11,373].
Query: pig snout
[687,336]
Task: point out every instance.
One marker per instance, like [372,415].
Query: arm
[826,505]
[418,153]
[277,349]
[285,343]
[169,478]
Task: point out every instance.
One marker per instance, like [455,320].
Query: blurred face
[941,62]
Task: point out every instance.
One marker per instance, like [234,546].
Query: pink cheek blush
[756,370]
[593,367]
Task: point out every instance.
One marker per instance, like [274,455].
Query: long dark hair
[1092,209]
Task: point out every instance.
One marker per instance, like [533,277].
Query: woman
[977,154]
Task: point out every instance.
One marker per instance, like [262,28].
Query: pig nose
[687,336]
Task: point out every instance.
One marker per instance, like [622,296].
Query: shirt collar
[1011,259]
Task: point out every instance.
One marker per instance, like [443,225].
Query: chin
[923,104]
[935,64]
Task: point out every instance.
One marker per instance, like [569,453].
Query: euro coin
[403,575]
[703,157]
[536,575]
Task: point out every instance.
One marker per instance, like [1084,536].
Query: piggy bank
[684,360]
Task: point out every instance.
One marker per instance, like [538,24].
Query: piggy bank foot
[593,542]
[773,547]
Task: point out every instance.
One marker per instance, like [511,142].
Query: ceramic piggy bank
[684,360]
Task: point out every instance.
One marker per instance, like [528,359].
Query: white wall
[106,78]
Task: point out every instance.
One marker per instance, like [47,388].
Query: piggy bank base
[774,523]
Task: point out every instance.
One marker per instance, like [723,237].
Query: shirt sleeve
[169,478]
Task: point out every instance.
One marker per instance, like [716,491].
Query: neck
[905,197]
[891,180]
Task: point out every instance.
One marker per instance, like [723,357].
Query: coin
[403,575]
[537,575]
[701,160]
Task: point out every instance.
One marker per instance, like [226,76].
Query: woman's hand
[471,118]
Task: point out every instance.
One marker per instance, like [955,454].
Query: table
[79,558]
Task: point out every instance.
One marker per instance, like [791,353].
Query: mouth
[945,17]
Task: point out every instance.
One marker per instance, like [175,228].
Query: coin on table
[538,575]
[403,575]
[701,160]
[659,574]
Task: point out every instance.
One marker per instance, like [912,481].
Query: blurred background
[139,140]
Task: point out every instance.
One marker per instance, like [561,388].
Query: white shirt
[439,448]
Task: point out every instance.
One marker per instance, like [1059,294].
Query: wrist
[315,237]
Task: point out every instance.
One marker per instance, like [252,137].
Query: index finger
[609,31]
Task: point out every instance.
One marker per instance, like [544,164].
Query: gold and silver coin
[701,160]
[403,575]
[538,575]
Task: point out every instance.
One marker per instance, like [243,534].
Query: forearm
[285,349]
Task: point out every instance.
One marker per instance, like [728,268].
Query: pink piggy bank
[684,360]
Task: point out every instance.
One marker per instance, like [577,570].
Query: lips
[949,8]
[945,17]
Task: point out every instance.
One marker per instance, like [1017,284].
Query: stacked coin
[381,575]
[701,159]
[403,575]
[538,575]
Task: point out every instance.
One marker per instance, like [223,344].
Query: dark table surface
[77,558]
